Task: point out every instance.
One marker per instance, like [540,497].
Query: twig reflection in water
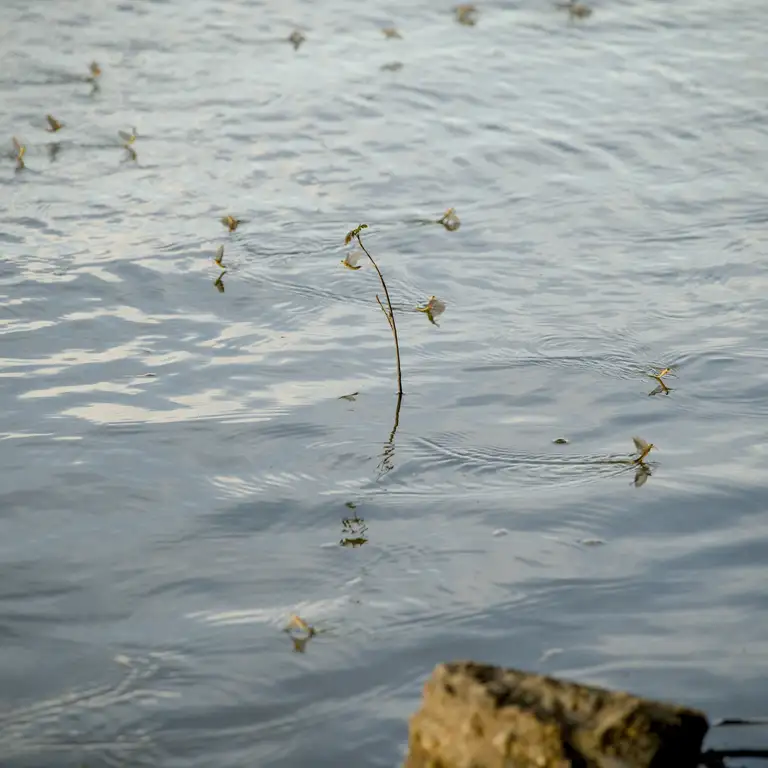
[53,150]
[388,453]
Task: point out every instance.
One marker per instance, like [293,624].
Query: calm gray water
[176,461]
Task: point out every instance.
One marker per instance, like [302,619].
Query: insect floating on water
[466,14]
[19,150]
[296,38]
[128,140]
[643,448]
[450,220]
[300,633]
[659,379]
[53,124]
[230,222]
[575,10]
[219,257]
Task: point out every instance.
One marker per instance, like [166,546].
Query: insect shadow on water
[53,150]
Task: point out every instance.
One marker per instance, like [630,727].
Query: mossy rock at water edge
[481,716]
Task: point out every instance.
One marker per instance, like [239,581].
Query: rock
[481,716]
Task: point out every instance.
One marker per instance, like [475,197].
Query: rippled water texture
[177,462]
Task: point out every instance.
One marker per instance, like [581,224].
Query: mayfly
[19,152]
[300,633]
[53,124]
[575,10]
[391,33]
[432,309]
[95,70]
[297,623]
[351,260]
[466,14]
[219,283]
[658,377]
[450,220]
[219,257]
[643,449]
[128,138]
[230,222]
[296,38]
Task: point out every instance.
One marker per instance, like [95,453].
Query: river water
[178,462]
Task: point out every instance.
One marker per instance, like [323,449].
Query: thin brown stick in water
[390,315]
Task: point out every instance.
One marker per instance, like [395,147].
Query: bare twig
[390,313]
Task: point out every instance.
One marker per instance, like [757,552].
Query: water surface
[177,463]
